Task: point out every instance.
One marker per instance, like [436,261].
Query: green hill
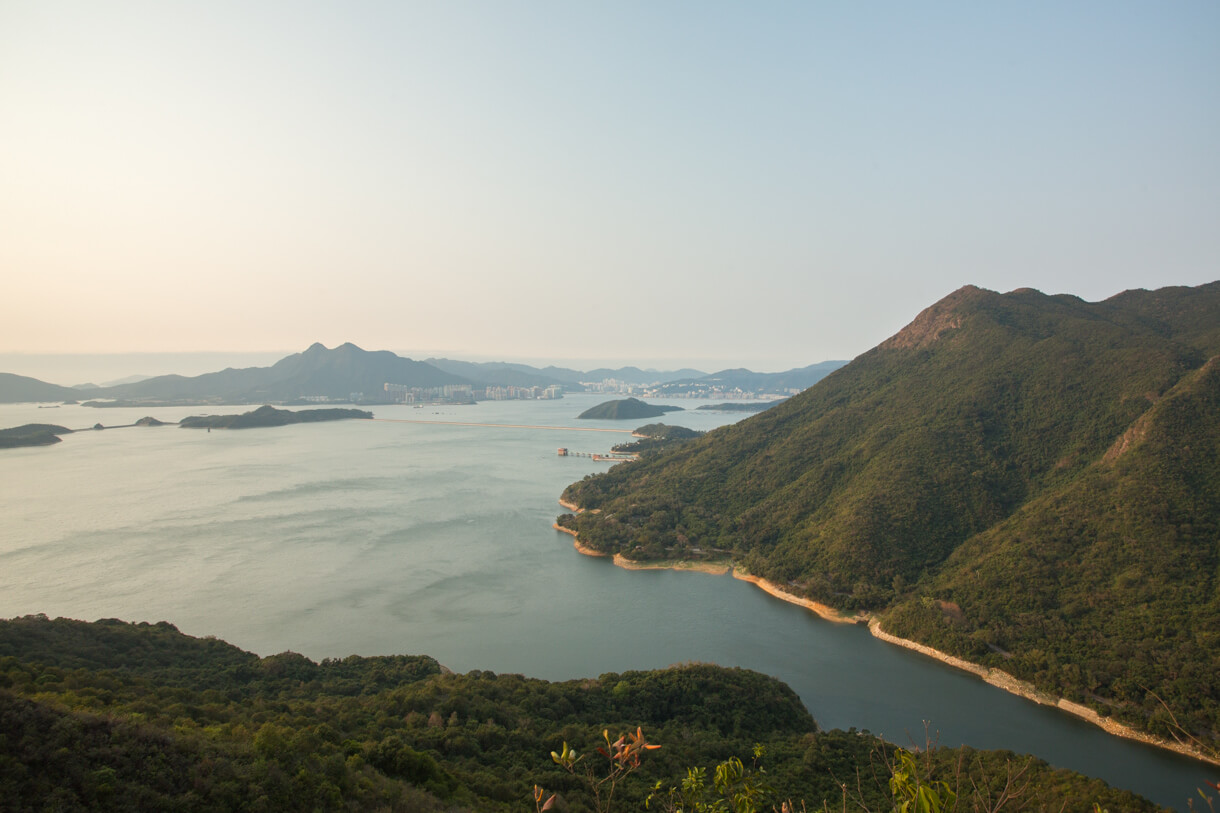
[268,415]
[31,434]
[626,409]
[18,388]
[116,716]
[1043,466]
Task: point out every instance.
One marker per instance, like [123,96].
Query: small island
[32,434]
[626,409]
[270,416]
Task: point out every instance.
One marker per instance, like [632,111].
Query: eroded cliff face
[934,322]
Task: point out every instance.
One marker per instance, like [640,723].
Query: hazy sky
[703,183]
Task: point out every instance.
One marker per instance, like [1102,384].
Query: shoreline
[993,676]
[1014,685]
[711,568]
[824,611]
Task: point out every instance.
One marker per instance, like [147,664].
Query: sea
[429,531]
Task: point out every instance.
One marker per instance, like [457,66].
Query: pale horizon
[74,369]
[687,184]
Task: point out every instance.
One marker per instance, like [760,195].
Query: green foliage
[657,436]
[1045,472]
[112,715]
[735,789]
[913,794]
[625,409]
[620,759]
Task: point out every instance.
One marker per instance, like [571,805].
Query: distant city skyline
[704,184]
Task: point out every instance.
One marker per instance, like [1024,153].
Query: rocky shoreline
[996,677]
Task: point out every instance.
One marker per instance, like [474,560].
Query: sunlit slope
[978,417]
[1107,586]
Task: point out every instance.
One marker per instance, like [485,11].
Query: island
[32,434]
[270,416]
[625,409]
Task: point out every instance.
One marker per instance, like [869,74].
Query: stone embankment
[1001,679]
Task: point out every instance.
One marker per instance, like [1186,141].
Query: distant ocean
[376,537]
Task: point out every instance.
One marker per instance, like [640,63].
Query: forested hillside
[1021,479]
[116,716]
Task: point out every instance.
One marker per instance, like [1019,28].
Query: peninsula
[1024,482]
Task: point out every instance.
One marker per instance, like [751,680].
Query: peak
[348,347]
[936,320]
[316,347]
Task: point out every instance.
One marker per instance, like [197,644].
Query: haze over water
[369,538]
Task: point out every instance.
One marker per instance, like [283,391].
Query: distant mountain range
[19,388]
[510,374]
[350,373]
[748,383]
[1030,482]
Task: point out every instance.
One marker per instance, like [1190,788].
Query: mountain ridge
[336,374]
[859,492]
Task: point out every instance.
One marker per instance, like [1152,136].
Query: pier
[611,457]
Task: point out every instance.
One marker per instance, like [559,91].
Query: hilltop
[626,409]
[1027,481]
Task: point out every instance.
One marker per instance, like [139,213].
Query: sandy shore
[713,568]
[996,677]
[823,610]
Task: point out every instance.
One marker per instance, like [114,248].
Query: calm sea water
[379,537]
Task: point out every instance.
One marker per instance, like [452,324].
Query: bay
[411,534]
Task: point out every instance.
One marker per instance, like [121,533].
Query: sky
[706,184]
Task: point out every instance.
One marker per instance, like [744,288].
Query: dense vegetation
[656,436]
[739,406]
[31,434]
[1026,480]
[109,716]
[626,409]
[270,416]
